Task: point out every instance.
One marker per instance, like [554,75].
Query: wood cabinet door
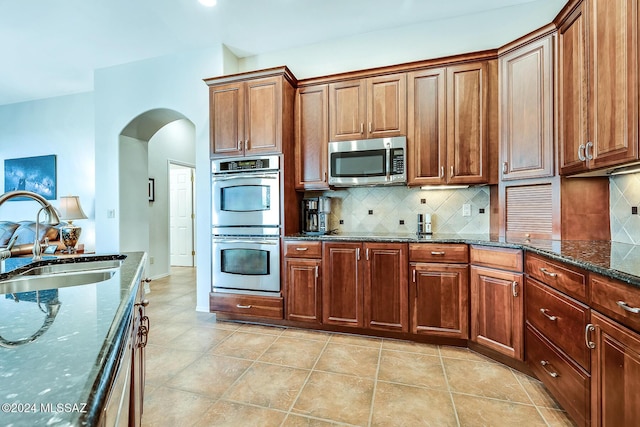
[342,284]
[226,106]
[526,111]
[347,110]
[304,299]
[426,127]
[386,299]
[613,74]
[263,116]
[615,374]
[572,93]
[439,300]
[497,320]
[387,106]
[467,127]
[312,137]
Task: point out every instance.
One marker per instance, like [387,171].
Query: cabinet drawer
[303,249]
[502,258]
[570,280]
[569,384]
[434,252]
[247,305]
[616,299]
[561,319]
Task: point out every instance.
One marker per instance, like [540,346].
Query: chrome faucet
[53,219]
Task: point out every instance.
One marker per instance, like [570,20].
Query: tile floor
[206,373]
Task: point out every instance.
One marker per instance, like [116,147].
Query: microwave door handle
[388,178]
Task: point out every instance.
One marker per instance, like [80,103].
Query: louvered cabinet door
[529,211]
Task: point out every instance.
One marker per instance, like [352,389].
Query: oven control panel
[244,164]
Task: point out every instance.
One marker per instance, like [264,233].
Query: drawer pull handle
[548,273]
[544,364]
[548,316]
[302,249]
[514,288]
[243,306]
[626,307]
[438,253]
[590,328]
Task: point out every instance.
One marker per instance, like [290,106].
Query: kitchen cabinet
[598,86]
[125,398]
[448,123]
[439,290]
[373,107]
[497,320]
[311,137]
[303,279]
[251,113]
[556,320]
[526,110]
[615,373]
[365,285]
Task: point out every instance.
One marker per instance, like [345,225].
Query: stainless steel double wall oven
[246,223]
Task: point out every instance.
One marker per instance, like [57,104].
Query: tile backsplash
[383,209]
[624,193]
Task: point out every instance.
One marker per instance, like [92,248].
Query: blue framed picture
[35,174]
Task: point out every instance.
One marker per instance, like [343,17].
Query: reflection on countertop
[619,261]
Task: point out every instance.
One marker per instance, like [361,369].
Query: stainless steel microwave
[380,161]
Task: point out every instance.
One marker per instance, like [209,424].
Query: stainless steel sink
[71,267]
[55,276]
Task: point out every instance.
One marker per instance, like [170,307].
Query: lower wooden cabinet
[302,280]
[247,305]
[497,318]
[615,374]
[365,285]
[439,299]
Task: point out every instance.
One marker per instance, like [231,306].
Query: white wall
[124,92]
[63,126]
[428,40]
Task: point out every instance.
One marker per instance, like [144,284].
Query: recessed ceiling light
[208,3]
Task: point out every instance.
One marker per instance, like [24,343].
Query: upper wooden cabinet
[374,107]
[598,85]
[250,113]
[526,110]
[311,137]
[448,123]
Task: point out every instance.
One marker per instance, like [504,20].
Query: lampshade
[70,208]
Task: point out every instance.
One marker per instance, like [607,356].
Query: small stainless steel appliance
[380,161]
[245,225]
[315,215]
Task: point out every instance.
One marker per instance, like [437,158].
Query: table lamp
[70,209]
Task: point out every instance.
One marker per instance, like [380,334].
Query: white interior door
[181,216]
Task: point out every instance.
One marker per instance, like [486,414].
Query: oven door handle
[260,176]
[388,177]
[248,242]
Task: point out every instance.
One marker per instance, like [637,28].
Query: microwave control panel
[397,161]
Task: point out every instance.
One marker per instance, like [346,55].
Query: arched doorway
[147,146]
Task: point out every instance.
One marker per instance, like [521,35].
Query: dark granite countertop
[619,261]
[61,378]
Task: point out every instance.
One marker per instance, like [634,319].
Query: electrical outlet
[111,213]
[634,210]
[466,209]
[152,260]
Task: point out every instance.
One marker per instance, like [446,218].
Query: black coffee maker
[315,215]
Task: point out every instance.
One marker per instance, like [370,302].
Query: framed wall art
[35,174]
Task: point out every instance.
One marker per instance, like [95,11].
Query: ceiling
[51,48]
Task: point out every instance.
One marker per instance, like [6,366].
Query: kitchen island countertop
[620,261]
[62,377]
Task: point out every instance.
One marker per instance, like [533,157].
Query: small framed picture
[152,189]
